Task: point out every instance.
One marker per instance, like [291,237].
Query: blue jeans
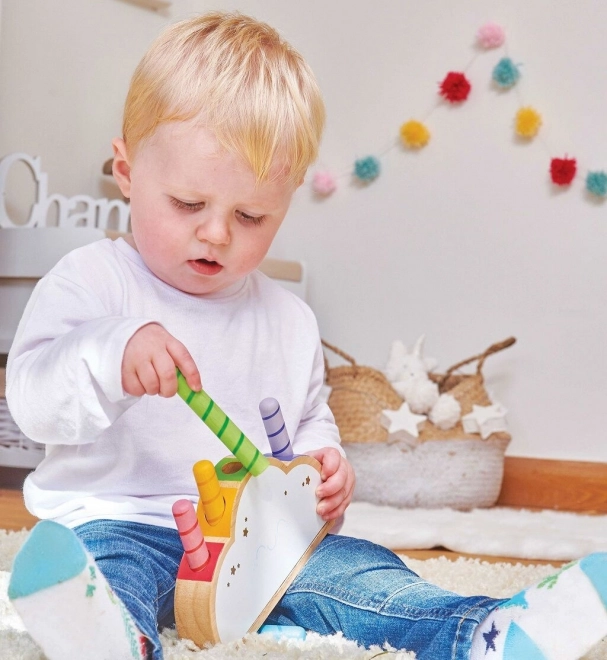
[348,585]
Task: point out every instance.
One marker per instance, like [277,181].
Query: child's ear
[121,168]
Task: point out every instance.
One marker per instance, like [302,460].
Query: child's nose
[214,228]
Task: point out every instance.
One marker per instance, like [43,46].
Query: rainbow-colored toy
[253,530]
[223,427]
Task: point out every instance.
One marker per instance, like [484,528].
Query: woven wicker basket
[446,469]
[359,394]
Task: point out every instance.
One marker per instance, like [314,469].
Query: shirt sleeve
[317,428]
[64,383]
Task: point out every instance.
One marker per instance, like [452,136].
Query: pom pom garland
[367,169]
[323,183]
[528,122]
[596,183]
[490,35]
[414,134]
[455,87]
[562,170]
[506,73]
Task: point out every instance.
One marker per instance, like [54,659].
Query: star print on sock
[490,637]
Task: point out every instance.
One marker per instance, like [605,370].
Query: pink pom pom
[323,183]
[491,35]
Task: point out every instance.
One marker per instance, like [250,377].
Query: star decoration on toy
[485,420]
[490,637]
[402,424]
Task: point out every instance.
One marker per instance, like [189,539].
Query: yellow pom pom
[528,122]
[414,134]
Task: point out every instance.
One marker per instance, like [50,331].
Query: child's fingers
[165,369]
[331,508]
[131,384]
[328,505]
[333,484]
[149,378]
[329,459]
[333,514]
[185,362]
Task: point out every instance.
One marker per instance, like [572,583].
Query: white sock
[65,602]
[559,618]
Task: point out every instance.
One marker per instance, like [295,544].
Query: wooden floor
[528,483]
[14,516]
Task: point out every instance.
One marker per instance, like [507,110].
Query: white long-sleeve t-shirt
[111,455]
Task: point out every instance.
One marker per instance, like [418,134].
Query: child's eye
[250,219]
[186,206]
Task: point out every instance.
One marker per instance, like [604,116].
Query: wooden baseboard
[550,484]
[491,559]
[13,514]
[529,483]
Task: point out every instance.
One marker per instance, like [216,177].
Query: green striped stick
[223,427]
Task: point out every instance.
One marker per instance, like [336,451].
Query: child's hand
[149,361]
[335,493]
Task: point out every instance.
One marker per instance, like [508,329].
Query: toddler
[221,122]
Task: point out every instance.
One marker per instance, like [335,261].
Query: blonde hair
[244,82]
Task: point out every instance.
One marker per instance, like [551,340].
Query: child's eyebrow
[254,202]
[185,192]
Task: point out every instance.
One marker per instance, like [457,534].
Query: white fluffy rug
[502,532]
[465,576]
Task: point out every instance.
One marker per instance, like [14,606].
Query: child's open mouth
[205,267]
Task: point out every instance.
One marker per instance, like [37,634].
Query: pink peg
[194,545]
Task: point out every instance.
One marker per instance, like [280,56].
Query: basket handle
[494,348]
[339,352]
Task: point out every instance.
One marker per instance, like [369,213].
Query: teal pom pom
[596,183]
[506,73]
[367,169]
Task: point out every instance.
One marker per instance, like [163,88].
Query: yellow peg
[211,498]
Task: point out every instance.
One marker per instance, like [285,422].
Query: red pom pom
[562,170]
[455,87]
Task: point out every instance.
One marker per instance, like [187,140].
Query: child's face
[199,219]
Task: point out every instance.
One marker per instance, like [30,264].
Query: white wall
[466,241]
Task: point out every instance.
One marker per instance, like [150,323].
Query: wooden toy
[194,545]
[257,519]
[276,429]
[223,427]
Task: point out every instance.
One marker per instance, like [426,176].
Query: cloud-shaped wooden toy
[252,532]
